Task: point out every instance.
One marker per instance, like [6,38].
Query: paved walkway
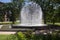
[6,33]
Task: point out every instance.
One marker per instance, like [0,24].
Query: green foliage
[12,37]
[29,36]
[50,10]
[21,36]
[55,35]
[15,10]
[25,35]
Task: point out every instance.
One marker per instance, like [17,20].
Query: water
[31,14]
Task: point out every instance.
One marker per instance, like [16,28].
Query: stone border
[6,33]
[1,26]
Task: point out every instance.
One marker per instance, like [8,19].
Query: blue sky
[5,1]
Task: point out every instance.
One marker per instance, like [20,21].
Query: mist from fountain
[31,15]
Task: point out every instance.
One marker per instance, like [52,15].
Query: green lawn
[9,22]
[19,23]
[3,37]
[55,23]
[8,37]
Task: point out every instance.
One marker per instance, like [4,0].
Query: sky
[5,1]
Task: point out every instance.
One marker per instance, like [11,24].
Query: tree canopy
[50,8]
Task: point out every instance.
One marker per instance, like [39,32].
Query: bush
[25,35]
[29,36]
[12,37]
[21,36]
[56,35]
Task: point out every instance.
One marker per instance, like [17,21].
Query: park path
[6,33]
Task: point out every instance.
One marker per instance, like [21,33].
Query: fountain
[31,16]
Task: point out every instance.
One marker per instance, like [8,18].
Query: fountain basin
[28,26]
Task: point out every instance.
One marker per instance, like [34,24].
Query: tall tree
[49,8]
[16,8]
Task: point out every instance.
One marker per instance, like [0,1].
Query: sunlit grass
[19,23]
[3,37]
[55,23]
[9,22]
[8,37]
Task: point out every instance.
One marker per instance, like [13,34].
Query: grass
[5,22]
[19,23]
[8,22]
[8,37]
[16,22]
[55,23]
[3,37]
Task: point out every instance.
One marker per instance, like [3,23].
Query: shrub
[12,37]
[29,36]
[21,36]
[56,35]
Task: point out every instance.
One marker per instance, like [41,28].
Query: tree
[49,8]
[15,8]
